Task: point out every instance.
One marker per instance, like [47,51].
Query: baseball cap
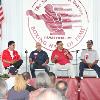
[90,41]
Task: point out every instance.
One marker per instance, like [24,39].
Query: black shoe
[13,71]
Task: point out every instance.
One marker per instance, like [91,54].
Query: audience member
[52,78]
[42,81]
[10,82]
[27,78]
[50,94]
[61,86]
[3,90]
[18,92]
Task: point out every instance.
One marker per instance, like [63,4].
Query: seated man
[10,57]
[89,59]
[61,57]
[38,60]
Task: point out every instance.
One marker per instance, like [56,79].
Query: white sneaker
[81,78]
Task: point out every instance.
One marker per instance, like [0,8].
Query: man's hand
[56,57]
[30,61]
[44,64]
[66,52]
[12,62]
[90,65]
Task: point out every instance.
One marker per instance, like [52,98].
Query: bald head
[38,43]
[62,87]
[50,94]
[38,46]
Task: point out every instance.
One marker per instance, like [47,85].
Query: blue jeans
[85,65]
[37,66]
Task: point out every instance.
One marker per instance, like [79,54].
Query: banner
[49,21]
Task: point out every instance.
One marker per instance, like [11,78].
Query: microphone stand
[76,59]
[76,52]
[26,59]
[76,56]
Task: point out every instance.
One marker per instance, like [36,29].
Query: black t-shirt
[39,57]
[30,88]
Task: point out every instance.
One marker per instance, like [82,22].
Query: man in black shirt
[38,59]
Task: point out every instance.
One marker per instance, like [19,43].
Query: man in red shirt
[10,57]
[61,57]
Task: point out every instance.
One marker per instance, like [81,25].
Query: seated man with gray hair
[42,81]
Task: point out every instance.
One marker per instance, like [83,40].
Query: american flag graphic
[1,13]
[1,18]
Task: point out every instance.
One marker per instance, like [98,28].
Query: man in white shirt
[10,82]
[89,59]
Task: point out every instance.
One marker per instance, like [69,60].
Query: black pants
[84,65]
[16,65]
[37,66]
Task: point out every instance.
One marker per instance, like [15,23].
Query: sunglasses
[89,44]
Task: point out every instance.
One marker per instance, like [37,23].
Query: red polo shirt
[62,59]
[6,56]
